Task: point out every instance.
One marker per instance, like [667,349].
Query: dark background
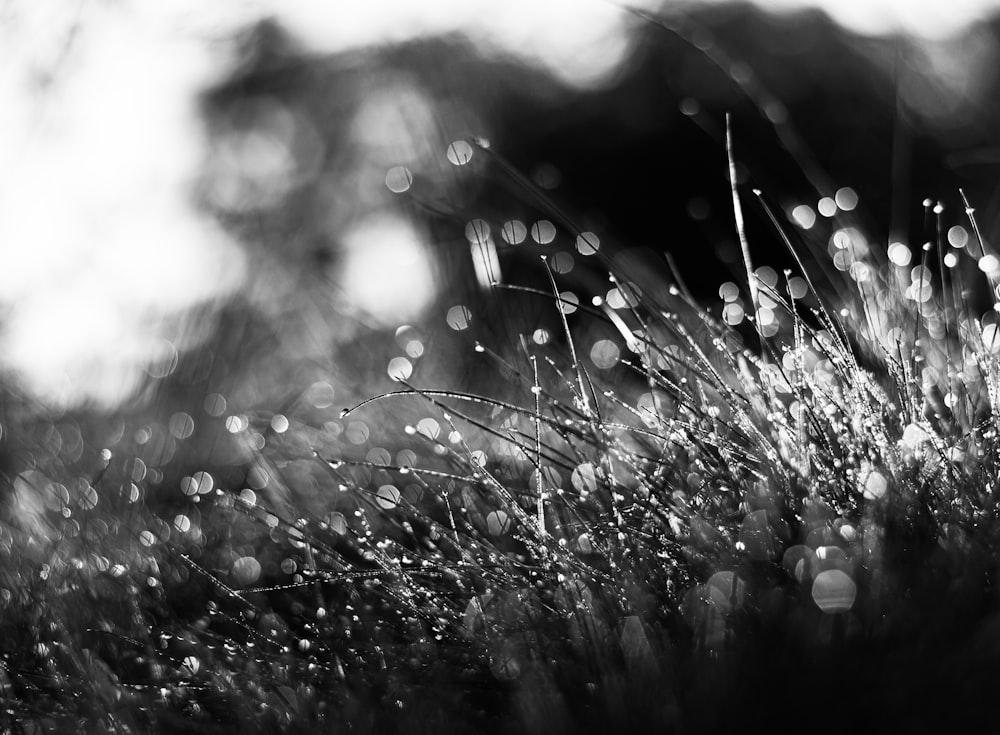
[641,159]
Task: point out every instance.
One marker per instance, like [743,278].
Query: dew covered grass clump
[661,515]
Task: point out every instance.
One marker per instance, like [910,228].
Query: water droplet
[320,394]
[875,485]
[215,404]
[398,179]
[246,570]
[846,198]
[729,291]
[387,496]
[914,436]
[429,427]
[337,522]
[587,243]
[198,484]
[958,236]
[646,405]
[733,314]
[547,176]
[725,590]
[543,232]
[477,232]
[459,153]
[797,287]
[506,662]
[258,477]
[181,425]
[459,317]
[899,254]
[513,232]
[279,423]
[357,432]
[991,337]
[623,296]
[414,348]
[88,497]
[605,354]
[768,275]
[166,362]
[584,478]
[568,302]
[834,591]
[498,522]
[400,368]
[766,317]
[562,262]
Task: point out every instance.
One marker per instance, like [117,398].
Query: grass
[786,519]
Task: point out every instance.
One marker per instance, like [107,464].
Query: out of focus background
[254,199]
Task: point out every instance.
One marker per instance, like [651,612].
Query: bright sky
[102,254]
[928,18]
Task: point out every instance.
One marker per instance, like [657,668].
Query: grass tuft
[787,518]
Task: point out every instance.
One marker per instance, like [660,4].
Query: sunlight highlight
[929,20]
[101,247]
[387,273]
